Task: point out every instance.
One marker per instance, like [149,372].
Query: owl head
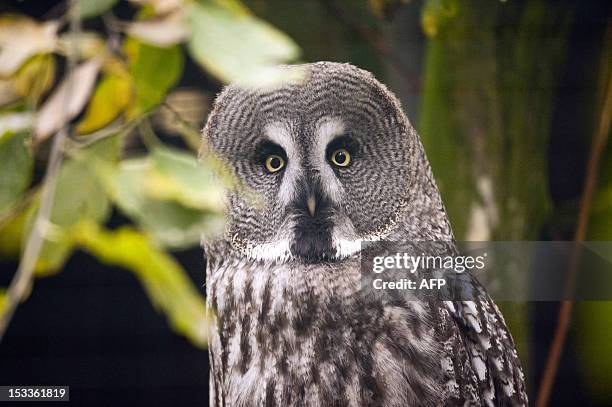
[333,158]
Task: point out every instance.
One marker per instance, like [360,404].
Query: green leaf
[154,70]
[35,77]
[111,97]
[163,215]
[92,8]
[16,165]
[12,228]
[237,46]
[79,196]
[178,176]
[163,279]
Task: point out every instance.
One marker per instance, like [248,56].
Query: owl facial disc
[333,158]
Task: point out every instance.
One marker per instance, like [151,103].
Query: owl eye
[341,157]
[274,163]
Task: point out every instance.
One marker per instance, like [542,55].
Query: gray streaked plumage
[292,325]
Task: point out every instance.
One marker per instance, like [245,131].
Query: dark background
[92,327]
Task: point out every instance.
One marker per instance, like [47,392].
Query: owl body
[336,163]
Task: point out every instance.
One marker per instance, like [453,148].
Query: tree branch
[23,278]
[190,135]
[598,146]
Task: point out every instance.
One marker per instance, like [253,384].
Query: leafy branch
[23,278]
[112,88]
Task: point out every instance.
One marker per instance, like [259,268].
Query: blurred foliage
[34,38]
[244,38]
[150,84]
[15,169]
[123,75]
[80,197]
[110,98]
[170,195]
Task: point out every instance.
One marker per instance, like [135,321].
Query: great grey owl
[336,163]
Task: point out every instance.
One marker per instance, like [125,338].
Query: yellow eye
[341,157]
[274,163]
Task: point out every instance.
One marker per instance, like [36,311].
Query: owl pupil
[275,163]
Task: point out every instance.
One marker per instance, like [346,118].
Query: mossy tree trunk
[489,80]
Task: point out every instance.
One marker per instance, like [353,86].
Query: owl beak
[311,202]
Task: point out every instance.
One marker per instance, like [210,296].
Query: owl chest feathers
[287,335]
